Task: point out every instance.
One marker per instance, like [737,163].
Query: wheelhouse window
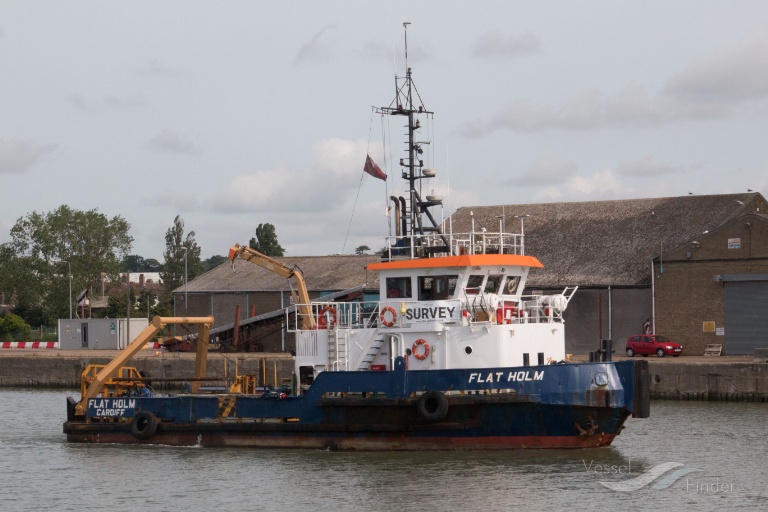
[493,284]
[510,287]
[473,284]
[398,287]
[437,287]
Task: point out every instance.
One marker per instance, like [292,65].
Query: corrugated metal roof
[601,243]
[321,273]
[594,243]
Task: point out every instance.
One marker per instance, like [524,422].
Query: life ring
[383,318]
[322,319]
[143,425]
[415,349]
[432,406]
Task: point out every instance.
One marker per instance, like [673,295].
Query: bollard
[606,348]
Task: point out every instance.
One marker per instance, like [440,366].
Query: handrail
[484,242]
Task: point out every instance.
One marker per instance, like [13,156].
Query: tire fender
[143,425]
[432,406]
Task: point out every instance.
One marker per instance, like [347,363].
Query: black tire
[630,352]
[660,352]
[432,406]
[144,425]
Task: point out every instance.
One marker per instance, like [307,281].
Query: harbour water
[688,456]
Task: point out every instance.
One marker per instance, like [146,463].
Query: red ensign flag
[373,169]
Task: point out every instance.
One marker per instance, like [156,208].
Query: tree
[13,327]
[136,263]
[46,247]
[266,241]
[213,262]
[362,250]
[177,247]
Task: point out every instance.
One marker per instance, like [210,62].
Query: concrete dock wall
[723,381]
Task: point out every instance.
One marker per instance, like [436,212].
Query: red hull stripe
[374,443]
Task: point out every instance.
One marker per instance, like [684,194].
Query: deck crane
[300,295]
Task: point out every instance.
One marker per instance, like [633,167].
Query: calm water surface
[726,443]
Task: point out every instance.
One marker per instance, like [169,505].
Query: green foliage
[117,305]
[362,250]
[144,304]
[136,263]
[13,327]
[47,248]
[213,262]
[178,248]
[266,241]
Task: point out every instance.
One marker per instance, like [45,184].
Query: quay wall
[62,369]
[715,381]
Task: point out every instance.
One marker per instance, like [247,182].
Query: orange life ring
[415,350]
[322,319]
[384,321]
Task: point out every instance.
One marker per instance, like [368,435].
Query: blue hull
[553,406]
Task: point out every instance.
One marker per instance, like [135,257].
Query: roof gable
[601,243]
[321,273]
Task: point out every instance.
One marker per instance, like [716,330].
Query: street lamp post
[128,308]
[186,251]
[69,271]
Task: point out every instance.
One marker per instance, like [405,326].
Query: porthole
[468,349]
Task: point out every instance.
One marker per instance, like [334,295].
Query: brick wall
[687,292]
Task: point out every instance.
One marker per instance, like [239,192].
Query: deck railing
[434,244]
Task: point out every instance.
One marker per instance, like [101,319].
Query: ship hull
[561,410]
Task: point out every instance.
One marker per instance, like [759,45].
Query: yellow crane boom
[300,295]
[139,342]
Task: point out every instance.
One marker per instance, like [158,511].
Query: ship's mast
[413,166]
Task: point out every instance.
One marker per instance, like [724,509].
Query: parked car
[652,344]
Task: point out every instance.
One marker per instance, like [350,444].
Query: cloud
[600,185]
[377,51]
[170,142]
[115,102]
[18,156]
[84,105]
[708,89]
[544,170]
[496,44]
[178,201]
[157,69]
[647,167]
[316,49]
[631,107]
[326,183]
[78,102]
[733,74]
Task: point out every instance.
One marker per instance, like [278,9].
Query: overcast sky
[232,114]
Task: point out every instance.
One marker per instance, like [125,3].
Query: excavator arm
[300,296]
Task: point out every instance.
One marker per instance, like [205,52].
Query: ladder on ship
[373,350]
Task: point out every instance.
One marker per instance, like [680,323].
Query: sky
[235,113]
